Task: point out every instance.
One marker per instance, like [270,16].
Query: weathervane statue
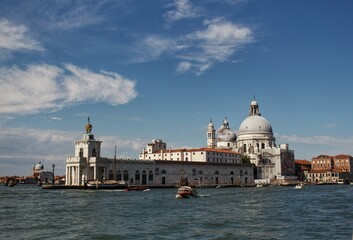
[88,126]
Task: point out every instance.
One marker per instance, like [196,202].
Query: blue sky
[152,69]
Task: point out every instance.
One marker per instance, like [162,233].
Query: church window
[126,175]
[137,175]
[244,148]
[150,175]
[231,173]
[262,145]
[118,175]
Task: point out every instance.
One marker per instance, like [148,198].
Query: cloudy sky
[158,69]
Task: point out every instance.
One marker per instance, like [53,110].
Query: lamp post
[53,174]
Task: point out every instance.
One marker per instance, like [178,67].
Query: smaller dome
[211,125]
[226,135]
[39,167]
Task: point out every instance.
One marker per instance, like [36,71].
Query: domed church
[255,140]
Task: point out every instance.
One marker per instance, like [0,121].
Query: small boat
[11,183]
[299,186]
[137,188]
[106,185]
[186,192]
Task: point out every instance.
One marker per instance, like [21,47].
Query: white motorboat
[300,186]
[186,192]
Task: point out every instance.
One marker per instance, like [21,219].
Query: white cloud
[16,37]
[21,148]
[46,87]
[183,9]
[200,50]
[183,67]
[311,146]
[83,85]
[317,140]
[217,43]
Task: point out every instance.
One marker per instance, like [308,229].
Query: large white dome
[255,124]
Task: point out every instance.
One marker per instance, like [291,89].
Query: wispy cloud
[47,87]
[317,140]
[183,67]
[16,37]
[183,9]
[153,47]
[21,148]
[200,50]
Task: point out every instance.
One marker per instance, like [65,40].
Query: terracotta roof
[302,162]
[195,150]
[342,156]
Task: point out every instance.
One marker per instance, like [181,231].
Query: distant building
[331,169]
[302,168]
[41,174]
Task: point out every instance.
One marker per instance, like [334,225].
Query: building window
[150,175]
[137,175]
[126,175]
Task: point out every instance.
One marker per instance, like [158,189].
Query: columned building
[157,166]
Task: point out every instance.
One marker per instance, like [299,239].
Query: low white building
[157,166]
[157,150]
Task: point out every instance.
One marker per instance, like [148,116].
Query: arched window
[216,172]
[150,175]
[244,148]
[200,172]
[111,175]
[126,175]
[137,175]
[118,175]
[163,172]
[231,173]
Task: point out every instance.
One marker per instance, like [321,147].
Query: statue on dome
[88,126]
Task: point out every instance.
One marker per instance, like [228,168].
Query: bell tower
[211,135]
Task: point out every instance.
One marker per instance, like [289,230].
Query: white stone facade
[256,141]
[158,166]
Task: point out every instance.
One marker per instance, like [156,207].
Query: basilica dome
[255,124]
[39,167]
[226,135]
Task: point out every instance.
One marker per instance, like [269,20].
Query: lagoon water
[316,212]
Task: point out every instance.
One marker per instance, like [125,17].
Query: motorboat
[186,192]
[300,186]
